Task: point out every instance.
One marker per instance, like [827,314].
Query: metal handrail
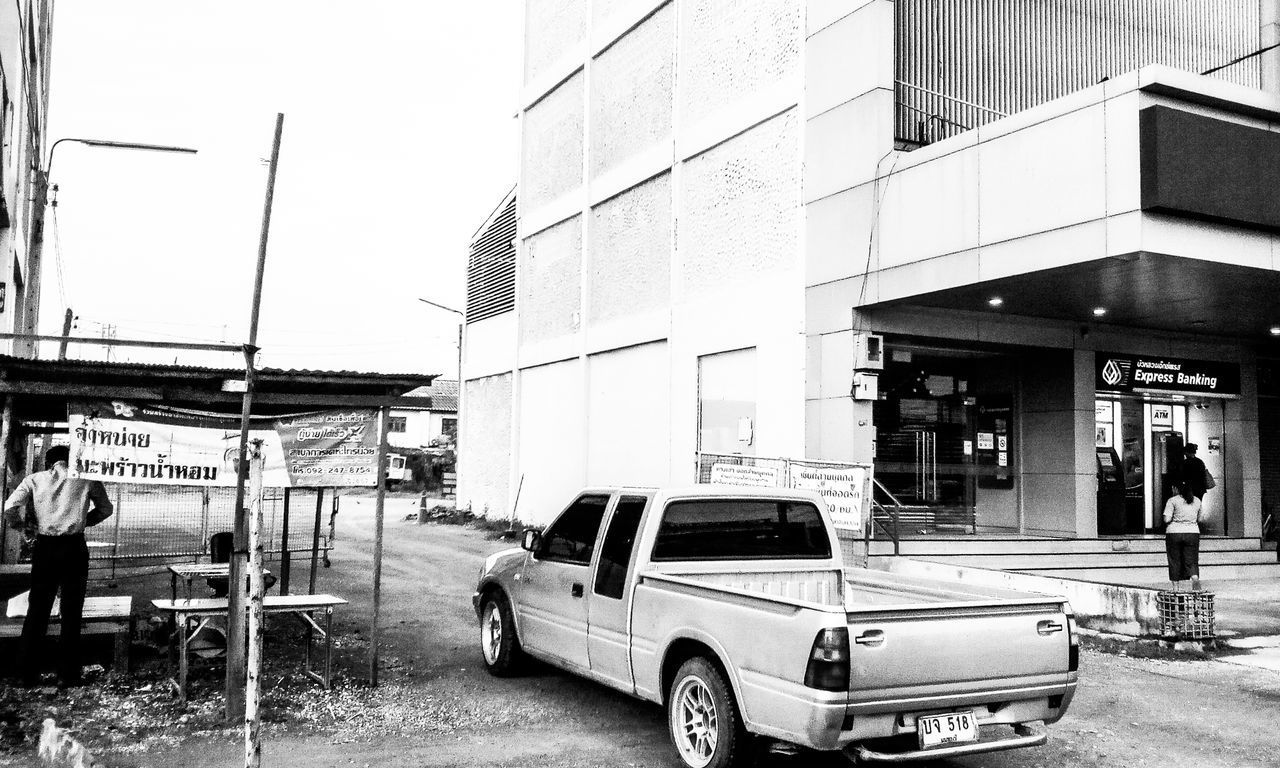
[895,534]
[945,97]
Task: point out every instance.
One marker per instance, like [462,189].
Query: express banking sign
[1134,373]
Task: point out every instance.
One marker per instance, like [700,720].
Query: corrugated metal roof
[443,394]
[122,367]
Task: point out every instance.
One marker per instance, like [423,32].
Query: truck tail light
[828,668]
[1073,641]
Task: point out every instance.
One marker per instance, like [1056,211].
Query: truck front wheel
[503,656]
[703,718]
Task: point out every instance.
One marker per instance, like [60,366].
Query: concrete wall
[484,476]
[661,221]
[1058,479]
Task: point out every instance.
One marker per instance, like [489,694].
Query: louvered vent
[491,266]
[962,64]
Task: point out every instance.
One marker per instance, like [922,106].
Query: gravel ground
[437,707]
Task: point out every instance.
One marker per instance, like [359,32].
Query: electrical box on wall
[866,386]
[868,352]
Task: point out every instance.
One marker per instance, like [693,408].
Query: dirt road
[438,707]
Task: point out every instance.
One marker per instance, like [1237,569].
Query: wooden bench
[203,609]
[102,616]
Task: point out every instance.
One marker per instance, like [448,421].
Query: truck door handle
[872,637]
[1048,627]
[576,591]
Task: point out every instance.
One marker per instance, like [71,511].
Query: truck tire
[499,645]
[703,718]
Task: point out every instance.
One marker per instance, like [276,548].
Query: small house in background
[434,425]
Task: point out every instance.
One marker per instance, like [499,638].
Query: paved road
[1129,712]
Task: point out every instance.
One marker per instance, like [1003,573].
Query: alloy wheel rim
[492,631]
[696,723]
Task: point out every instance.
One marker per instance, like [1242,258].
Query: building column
[1241,484]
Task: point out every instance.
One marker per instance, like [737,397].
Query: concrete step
[1158,576]
[1023,561]
[980,546]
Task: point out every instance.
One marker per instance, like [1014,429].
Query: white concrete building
[433,423]
[719,197]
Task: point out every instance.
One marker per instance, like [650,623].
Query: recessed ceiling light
[1099,311]
[995,301]
[1275,330]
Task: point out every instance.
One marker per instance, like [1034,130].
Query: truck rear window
[737,529]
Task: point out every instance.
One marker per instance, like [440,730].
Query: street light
[35,247]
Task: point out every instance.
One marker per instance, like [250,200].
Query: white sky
[399,138]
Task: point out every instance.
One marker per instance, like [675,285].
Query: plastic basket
[1187,615]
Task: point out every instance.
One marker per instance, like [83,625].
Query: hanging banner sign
[846,490]
[737,474]
[126,442]
[1135,373]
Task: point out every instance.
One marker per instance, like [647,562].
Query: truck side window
[572,537]
[741,529]
[615,551]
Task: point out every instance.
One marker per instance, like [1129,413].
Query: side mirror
[531,541]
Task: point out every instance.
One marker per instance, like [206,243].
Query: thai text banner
[126,442]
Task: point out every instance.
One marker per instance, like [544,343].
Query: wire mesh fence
[175,522]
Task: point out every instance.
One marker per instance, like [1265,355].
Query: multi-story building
[25,29]
[1055,218]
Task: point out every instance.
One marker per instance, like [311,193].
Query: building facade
[430,426]
[25,44]
[1050,220]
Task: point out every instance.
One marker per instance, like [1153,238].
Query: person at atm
[1194,473]
[1182,537]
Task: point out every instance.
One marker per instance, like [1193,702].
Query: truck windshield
[737,529]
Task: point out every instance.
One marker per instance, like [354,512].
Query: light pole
[40,199]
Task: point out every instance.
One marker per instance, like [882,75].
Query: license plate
[955,728]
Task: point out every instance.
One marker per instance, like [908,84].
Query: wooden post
[236,597]
[284,547]
[383,417]
[253,678]
[6,457]
[315,540]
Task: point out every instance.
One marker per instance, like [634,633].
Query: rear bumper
[1026,735]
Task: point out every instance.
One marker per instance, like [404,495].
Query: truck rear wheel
[503,656]
[703,718]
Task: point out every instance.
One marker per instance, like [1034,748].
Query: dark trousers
[1183,550]
[59,564]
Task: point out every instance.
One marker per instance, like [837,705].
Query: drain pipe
[1269,35]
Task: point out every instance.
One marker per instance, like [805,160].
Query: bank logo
[1111,373]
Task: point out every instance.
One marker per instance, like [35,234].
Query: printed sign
[986,441]
[1131,373]
[127,442]
[1102,410]
[1162,416]
[843,488]
[736,474]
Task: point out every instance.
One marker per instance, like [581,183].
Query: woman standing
[1182,536]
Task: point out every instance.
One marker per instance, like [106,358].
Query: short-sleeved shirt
[63,505]
[1181,517]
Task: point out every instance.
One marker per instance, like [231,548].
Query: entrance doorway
[944,436]
[1139,442]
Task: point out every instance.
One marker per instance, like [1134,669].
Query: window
[723,529]
[397,423]
[615,552]
[449,427]
[572,537]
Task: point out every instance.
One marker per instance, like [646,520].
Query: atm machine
[1166,470]
[1111,506]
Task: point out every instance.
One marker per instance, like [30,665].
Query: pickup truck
[733,608]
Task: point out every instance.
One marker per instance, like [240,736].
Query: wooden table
[101,616]
[203,609]
[189,572]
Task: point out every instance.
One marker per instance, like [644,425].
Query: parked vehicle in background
[395,468]
[732,607]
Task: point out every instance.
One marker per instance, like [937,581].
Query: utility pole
[240,537]
[66,333]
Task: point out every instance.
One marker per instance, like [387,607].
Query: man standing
[1194,474]
[58,508]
